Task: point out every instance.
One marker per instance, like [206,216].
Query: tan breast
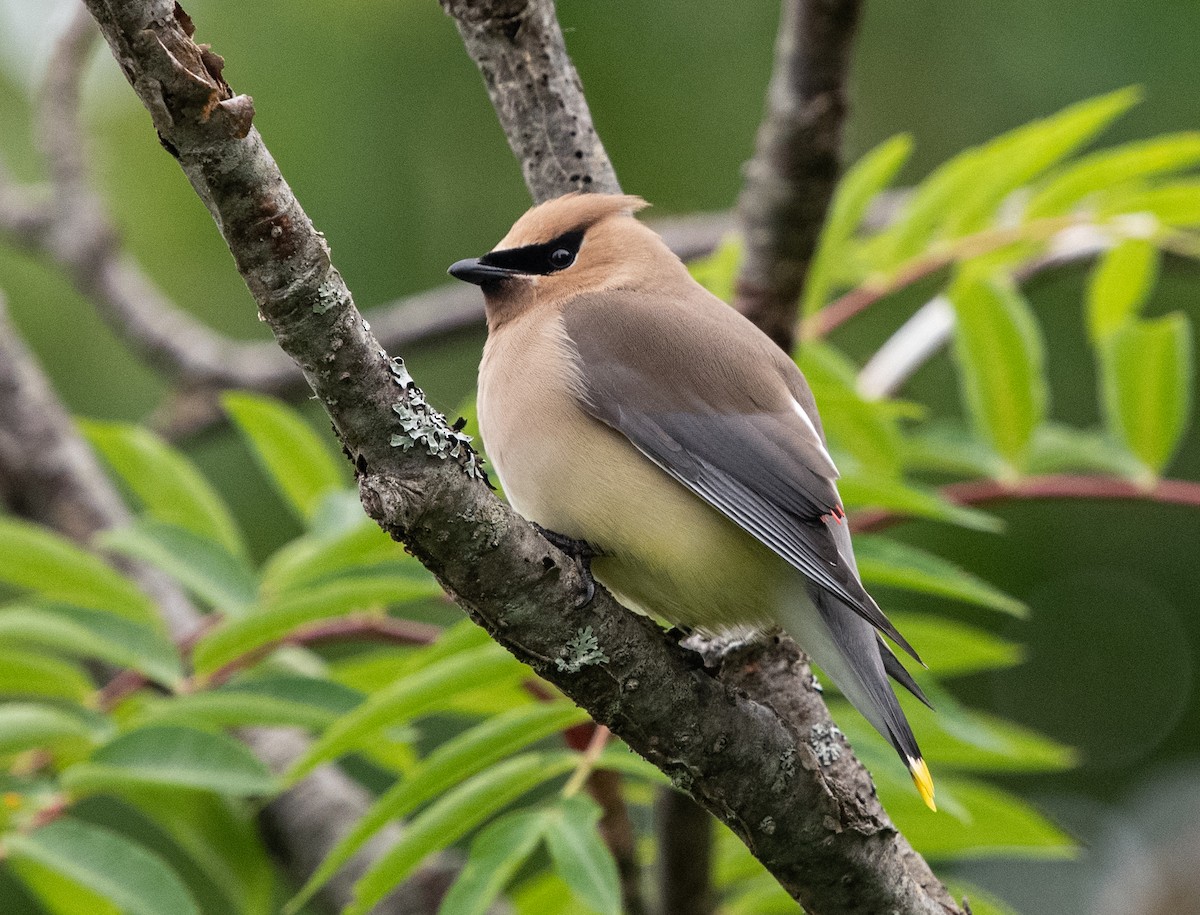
[546,451]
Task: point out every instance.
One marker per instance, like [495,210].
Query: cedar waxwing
[625,406]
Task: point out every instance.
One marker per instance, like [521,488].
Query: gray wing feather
[764,469]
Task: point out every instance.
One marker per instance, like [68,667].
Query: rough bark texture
[818,829]
[797,160]
[536,92]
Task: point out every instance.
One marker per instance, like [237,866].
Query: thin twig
[685,843]
[1057,486]
[797,160]
[387,630]
[858,300]
[587,761]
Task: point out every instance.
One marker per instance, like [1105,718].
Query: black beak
[472,270]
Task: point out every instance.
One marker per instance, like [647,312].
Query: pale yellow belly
[666,551]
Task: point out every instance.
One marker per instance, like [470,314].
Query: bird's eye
[561,258]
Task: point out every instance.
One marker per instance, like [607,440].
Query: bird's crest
[569,213]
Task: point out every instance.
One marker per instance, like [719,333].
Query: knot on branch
[191,92]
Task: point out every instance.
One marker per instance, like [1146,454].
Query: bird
[632,414]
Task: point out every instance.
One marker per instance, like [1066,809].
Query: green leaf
[956,738]
[57,894]
[1061,449]
[1120,285]
[35,559]
[337,598]
[963,193]
[169,486]
[234,708]
[995,745]
[580,855]
[454,815]
[544,894]
[92,634]
[946,446]
[884,561]
[1148,386]
[1016,158]
[374,668]
[295,459]
[733,863]
[408,697]
[313,559]
[338,510]
[24,726]
[29,674]
[952,648]
[718,272]
[761,895]
[981,901]
[203,566]
[135,880]
[909,235]
[220,835]
[1175,204]
[867,430]
[175,756]
[968,738]
[988,823]
[1111,167]
[865,179]
[863,491]
[496,855]
[619,758]
[456,759]
[313,691]
[999,353]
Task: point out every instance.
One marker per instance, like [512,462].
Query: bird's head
[572,245]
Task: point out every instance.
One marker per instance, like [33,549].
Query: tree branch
[819,829]
[1055,486]
[797,160]
[519,48]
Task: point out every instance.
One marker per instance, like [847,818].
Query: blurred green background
[381,124]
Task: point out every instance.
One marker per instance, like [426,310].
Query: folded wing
[747,442]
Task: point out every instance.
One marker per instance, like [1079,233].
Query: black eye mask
[541,259]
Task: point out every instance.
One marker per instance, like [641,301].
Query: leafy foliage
[454,735]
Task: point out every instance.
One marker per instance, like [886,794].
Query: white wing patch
[816,438]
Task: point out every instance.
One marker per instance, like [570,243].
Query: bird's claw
[583,553]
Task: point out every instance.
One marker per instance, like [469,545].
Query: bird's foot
[583,553]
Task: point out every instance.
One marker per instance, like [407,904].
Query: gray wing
[693,393]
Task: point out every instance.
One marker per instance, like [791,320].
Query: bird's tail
[848,649]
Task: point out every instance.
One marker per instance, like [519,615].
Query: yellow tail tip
[923,780]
